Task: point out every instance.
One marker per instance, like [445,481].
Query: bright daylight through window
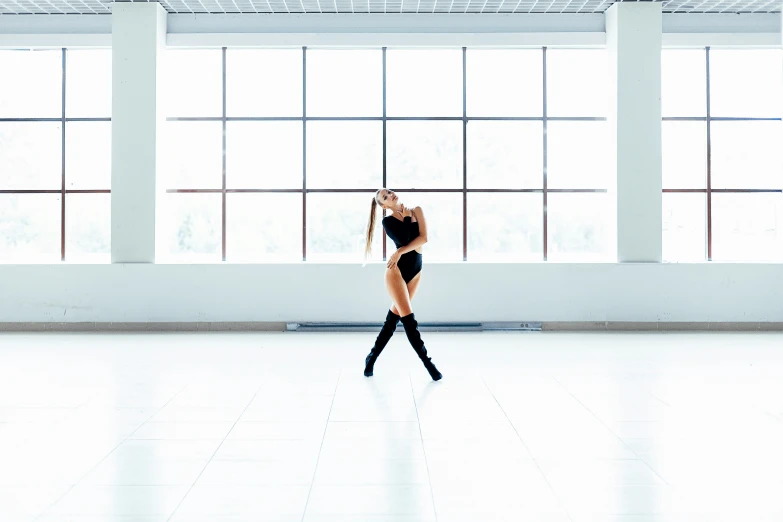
[721,155]
[55,155]
[507,158]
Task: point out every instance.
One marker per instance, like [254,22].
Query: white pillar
[633,40]
[138,41]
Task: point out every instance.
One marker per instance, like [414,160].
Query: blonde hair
[371,227]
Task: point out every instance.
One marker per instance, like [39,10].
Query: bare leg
[387,330]
[398,291]
[413,286]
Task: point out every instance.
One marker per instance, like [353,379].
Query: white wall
[138,45]
[449,292]
[633,44]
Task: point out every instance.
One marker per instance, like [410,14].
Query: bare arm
[422,238]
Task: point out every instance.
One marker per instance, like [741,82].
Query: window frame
[63,191]
[708,119]
[384,118]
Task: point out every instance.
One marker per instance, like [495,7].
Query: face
[387,198]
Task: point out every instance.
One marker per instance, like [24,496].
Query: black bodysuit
[402,233]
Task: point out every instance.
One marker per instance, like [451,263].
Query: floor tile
[593,426]
[183,431]
[219,501]
[258,473]
[370,500]
[371,471]
[248,430]
[119,500]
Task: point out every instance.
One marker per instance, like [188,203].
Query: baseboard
[631,326]
[146,327]
[252,326]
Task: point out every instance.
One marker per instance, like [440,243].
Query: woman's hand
[406,212]
[392,261]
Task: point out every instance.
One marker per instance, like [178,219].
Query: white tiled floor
[284,427]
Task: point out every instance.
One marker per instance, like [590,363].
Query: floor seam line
[179,504]
[612,432]
[321,447]
[423,449]
[538,466]
[123,441]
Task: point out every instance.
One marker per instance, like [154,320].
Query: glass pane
[193,157]
[31,84]
[578,226]
[31,156]
[328,74]
[263,227]
[577,155]
[336,227]
[30,227]
[746,83]
[87,227]
[505,82]
[745,227]
[505,154]
[424,154]
[684,82]
[88,84]
[190,227]
[264,82]
[424,83]
[746,154]
[576,81]
[264,154]
[684,154]
[505,227]
[194,83]
[684,227]
[443,213]
[88,155]
[345,154]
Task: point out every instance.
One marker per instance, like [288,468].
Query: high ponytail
[370,230]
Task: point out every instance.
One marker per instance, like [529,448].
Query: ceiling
[386,6]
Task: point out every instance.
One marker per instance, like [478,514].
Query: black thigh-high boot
[380,342]
[414,337]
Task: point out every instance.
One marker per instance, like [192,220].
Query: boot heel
[433,371]
[414,337]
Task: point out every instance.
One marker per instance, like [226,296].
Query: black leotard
[402,233]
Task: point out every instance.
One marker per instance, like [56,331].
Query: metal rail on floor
[424,327]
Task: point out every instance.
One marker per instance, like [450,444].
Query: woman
[408,229]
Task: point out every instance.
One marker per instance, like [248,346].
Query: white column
[138,42]
[633,40]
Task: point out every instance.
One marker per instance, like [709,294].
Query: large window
[55,155]
[274,155]
[722,165]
